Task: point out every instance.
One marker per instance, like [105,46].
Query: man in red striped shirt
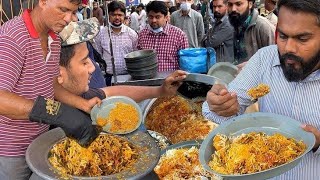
[29,66]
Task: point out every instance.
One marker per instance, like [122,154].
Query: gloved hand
[75,123]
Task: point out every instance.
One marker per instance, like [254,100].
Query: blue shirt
[298,100]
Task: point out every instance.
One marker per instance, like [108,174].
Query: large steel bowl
[140,54]
[268,123]
[38,152]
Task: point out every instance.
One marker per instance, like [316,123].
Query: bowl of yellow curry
[117,115]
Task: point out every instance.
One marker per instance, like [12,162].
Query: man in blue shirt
[291,69]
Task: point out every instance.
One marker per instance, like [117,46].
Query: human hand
[222,102]
[88,104]
[172,83]
[240,66]
[75,123]
[315,131]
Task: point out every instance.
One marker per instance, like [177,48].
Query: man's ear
[62,75]
[250,4]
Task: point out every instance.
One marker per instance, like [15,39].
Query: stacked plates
[142,64]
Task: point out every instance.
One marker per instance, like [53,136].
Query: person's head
[75,65]
[75,68]
[298,37]
[117,12]
[133,9]
[219,8]
[157,14]
[239,11]
[95,5]
[56,14]
[172,9]
[270,5]
[140,7]
[184,5]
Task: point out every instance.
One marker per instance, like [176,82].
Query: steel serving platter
[38,152]
[268,123]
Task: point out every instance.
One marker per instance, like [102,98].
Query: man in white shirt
[134,19]
[124,40]
[291,69]
[142,16]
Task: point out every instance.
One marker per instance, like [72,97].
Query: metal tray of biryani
[165,118]
[38,151]
[185,144]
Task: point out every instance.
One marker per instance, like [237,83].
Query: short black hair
[157,6]
[141,5]
[172,9]
[67,52]
[306,6]
[114,5]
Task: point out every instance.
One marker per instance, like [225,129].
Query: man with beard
[97,12]
[291,69]
[252,31]
[220,36]
[189,21]
[124,40]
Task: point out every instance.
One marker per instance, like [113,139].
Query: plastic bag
[194,60]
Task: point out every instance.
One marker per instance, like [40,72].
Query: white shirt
[298,100]
[142,19]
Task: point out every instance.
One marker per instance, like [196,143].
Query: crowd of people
[49,58]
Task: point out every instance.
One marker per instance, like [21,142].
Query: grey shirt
[191,24]
[220,37]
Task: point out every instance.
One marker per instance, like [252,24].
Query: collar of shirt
[189,13]
[30,26]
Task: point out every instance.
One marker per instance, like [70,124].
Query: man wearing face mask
[124,40]
[291,69]
[189,21]
[220,36]
[252,31]
[166,39]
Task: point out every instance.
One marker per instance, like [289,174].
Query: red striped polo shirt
[25,72]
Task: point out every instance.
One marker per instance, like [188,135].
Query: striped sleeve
[11,63]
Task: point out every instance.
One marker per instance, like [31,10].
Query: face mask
[158,30]
[185,6]
[117,27]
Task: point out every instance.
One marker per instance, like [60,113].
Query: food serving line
[39,151]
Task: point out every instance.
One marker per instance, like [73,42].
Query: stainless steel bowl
[38,152]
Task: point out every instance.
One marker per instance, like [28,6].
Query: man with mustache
[29,58]
[252,31]
[161,36]
[291,69]
[220,36]
[124,40]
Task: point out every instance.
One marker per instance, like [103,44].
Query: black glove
[75,123]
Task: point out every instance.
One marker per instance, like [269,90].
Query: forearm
[62,95]
[137,93]
[14,106]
